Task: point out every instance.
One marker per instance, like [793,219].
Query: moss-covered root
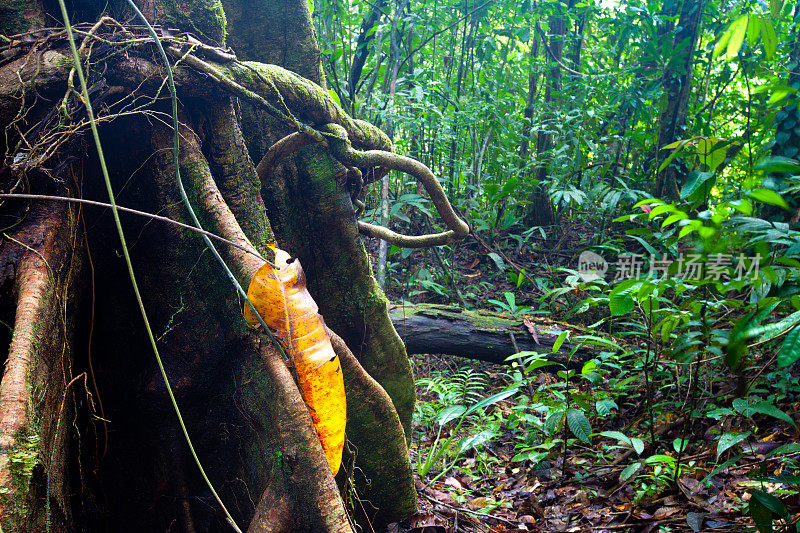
[382,475]
[235,173]
[304,472]
[211,209]
[305,506]
[41,254]
[307,101]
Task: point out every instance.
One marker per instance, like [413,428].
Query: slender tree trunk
[677,87]
[365,38]
[540,212]
[533,79]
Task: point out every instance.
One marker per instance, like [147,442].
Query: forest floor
[601,484]
[578,488]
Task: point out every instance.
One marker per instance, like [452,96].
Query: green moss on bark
[18,16]
[206,18]
[22,459]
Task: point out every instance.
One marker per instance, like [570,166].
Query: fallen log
[483,335]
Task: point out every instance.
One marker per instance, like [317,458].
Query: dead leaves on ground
[582,490]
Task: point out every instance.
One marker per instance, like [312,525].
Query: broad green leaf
[693,225]
[579,424]
[621,303]
[680,215]
[770,331]
[677,144]
[664,208]
[767,408]
[723,42]
[769,196]
[648,201]
[508,187]
[595,340]
[660,458]
[618,435]
[520,278]
[560,340]
[791,448]
[790,350]
[638,445]
[604,407]
[476,440]
[532,456]
[675,153]
[629,470]
[787,480]
[769,38]
[493,399]
[679,444]
[698,181]
[770,502]
[311,7]
[620,300]
[450,413]
[738,31]
[729,439]
[753,29]
[498,261]
[778,163]
[634,442]
[779,93]
[762,517]
[740,405]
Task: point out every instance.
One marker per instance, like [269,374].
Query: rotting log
[481,335]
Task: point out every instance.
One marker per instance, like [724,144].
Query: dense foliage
[663,137]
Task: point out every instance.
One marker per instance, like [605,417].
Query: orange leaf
[283,301]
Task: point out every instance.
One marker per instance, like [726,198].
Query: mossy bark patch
[204,18]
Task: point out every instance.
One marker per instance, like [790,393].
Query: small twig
[469,511]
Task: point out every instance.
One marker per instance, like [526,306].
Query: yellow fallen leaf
[283,301]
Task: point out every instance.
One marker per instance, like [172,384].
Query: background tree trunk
[677,86]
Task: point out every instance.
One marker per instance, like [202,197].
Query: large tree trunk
[89,438]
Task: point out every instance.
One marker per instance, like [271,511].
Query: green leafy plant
[457,414]
[510,305]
